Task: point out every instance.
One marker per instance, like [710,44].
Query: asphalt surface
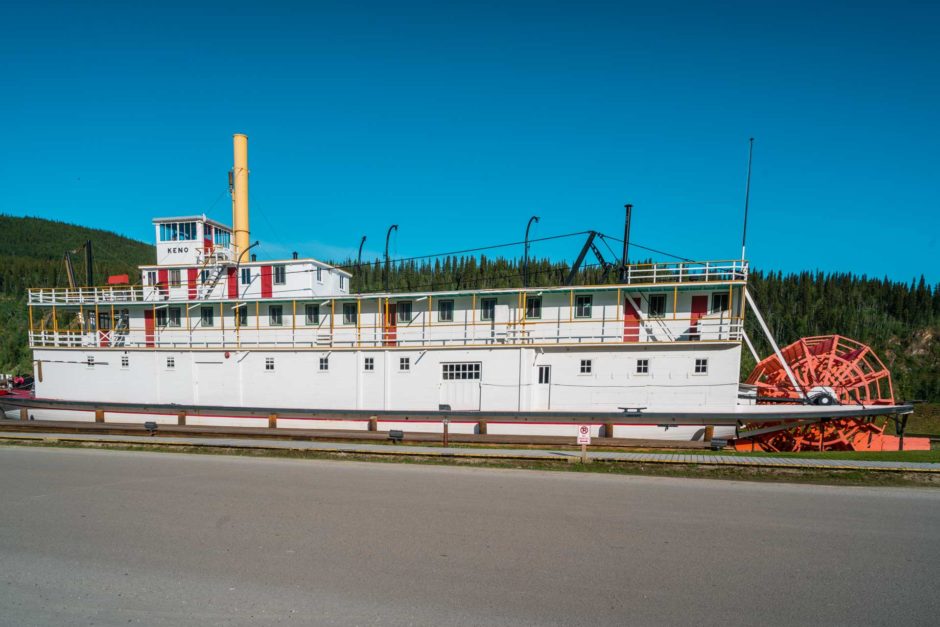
[111,537]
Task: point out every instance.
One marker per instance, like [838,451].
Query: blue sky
[458,121]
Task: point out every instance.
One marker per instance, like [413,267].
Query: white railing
[597,331]
[670,273]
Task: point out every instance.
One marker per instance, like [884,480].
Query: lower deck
[702,375]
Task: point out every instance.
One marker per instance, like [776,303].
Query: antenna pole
[359,265]
[525,257]
[626,243]
[394,227]
[747,195]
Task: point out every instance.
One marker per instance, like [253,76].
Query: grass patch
[691,471]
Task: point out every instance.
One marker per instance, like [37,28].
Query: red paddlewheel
[831,369]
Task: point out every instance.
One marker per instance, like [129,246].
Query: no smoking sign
[584,434]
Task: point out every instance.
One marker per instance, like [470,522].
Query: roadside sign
[584,434]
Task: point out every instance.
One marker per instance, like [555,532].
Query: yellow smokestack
[240,196]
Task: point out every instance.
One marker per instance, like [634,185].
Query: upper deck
[665,302]
[207,288]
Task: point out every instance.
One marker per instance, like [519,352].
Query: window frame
[529,302]
[269,364]
[586,367]
[700,366]
[125,361]
[324,364]
[449,302]
[241,316]
[171,362]
[488,304]
[723,296]
[584,306]
[655,313]
[399,311]
[245,274]
[161,318]
[368,364]
[211,317]
[462,371]
[275,315]
[175,277]
[642,366]
[279,274]
[404,364]
[315,308]
[174,317]
[350,314]
[545,374]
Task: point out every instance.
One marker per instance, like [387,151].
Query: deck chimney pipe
[240,196]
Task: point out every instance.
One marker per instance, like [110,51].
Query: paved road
[109,537]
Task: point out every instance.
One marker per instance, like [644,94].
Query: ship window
[269,363]
[90,361]
[171,362]
[280,275]
[350,315]
[319,274]
[583,306]
[161,317]
[187,231]
[174,278]
[657,306]
[533,307]
[369,364]
[324,363]
[151,277]
[204,276]
[125,361]
[404,311]
[487,309]
[720,302]
[207,316]
[275,315]
[701,366]
[222,238]
[246,276]
[453,372]
[342,282]
[404,364]
[586,366]
[445,310]
[312,314]
[642,366]
[173,316]
[241,316]
[545,375]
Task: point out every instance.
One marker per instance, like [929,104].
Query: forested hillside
[31,255]
[900,321]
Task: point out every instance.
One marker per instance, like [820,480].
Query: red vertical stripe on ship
[163,280]
[192,275]
[148,327]
[699,309]
[631,320]
[266,282]
[232,283]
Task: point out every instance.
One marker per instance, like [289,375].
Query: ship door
[391,324]
[148,327]
[631,320]
[699,309]
[104,329]
[542,391]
